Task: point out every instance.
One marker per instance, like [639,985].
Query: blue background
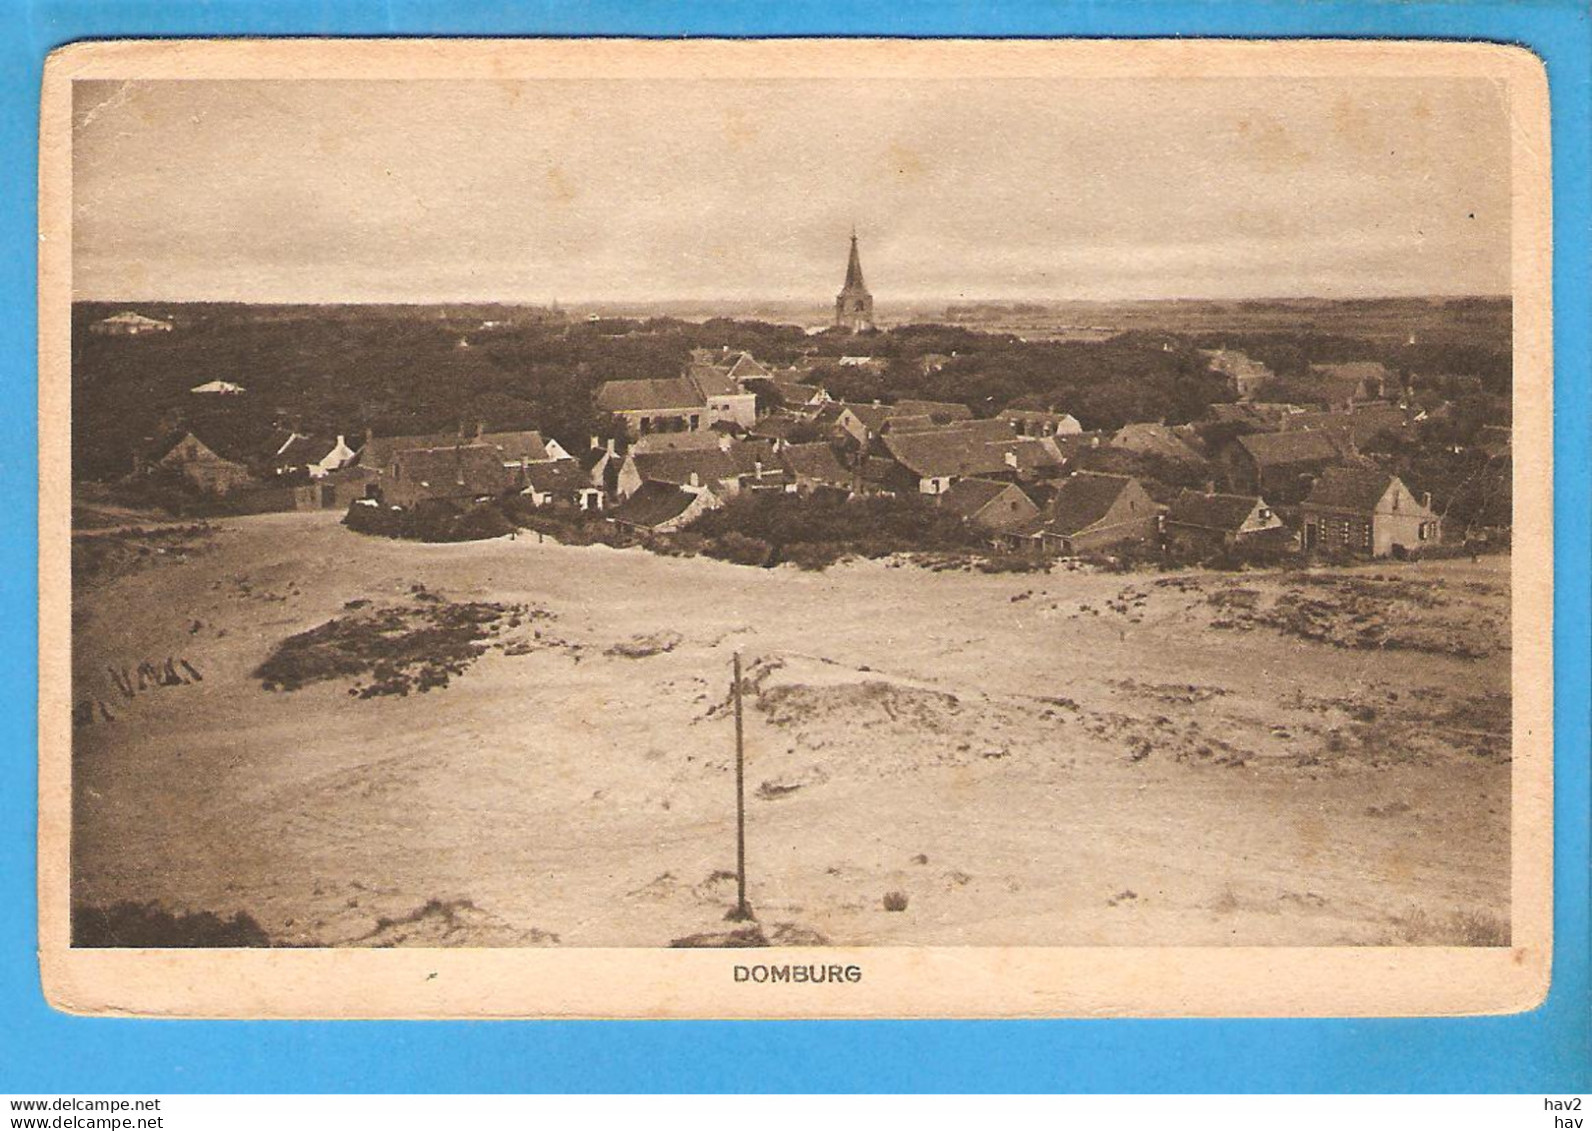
[42,1051]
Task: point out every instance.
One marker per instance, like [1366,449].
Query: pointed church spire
[854,267]
[854,305]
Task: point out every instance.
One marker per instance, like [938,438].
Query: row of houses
[1356,511]
[1335,385]
[1016,475]
[730,425]
[327,471]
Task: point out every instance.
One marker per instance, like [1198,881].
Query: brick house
[990,504]
[200,464]
[460,473]
[670,405]
[1368,512]
[1094,511]
[1279,465]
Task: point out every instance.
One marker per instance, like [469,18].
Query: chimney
[369,435]
[1426,500]
[696,480]
[611,443]
[596,442]
[1011,458]
[1210,486]
[480,429]
[757,469]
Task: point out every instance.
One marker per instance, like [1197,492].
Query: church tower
[854,305]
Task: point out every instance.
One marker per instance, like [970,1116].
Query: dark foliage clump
[435,521]
[416,647]
[816,532]
[129,924]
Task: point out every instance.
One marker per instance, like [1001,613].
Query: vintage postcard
[795,529]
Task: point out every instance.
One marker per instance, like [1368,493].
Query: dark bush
[1014,563]
[485,520]
[151,925]
[813,555]
[432,521]
[816,532]
[739,548]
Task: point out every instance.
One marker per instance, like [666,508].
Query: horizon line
[961,300]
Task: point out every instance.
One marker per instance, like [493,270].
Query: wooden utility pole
[741,911]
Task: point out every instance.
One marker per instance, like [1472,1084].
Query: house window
[1425,531]
[1265,514]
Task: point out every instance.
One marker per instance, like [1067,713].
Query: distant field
[1485,320]
[946,758]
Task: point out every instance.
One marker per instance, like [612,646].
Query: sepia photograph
[811,504]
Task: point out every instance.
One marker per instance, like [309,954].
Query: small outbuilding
[1212,521]
[990,504]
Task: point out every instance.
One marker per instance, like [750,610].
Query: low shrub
[432,521]
[151,925]
[417,647]
[818,531]
[739,548]
[1014,563]
[814,555]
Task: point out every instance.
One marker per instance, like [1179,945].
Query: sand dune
[1073,758]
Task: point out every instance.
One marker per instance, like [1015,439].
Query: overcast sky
[638,190]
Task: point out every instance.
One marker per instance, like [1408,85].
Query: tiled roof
[1035,416]
[1272,449]
[653,504]
[1353,370]
[1154,439]
[941,411]
[899,424]
[1083,500]
[474,468]
[303,450]
[872,416]
[745,366]
[650,395]
[710,465]
[517,447]
[1212,512]
[966,497]
[1034,454]
[163,445]
[563,476]
[1361,425]
[817,462]
[1350,488]
[945,452]
[711,380]
[675,442]
[379,450]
